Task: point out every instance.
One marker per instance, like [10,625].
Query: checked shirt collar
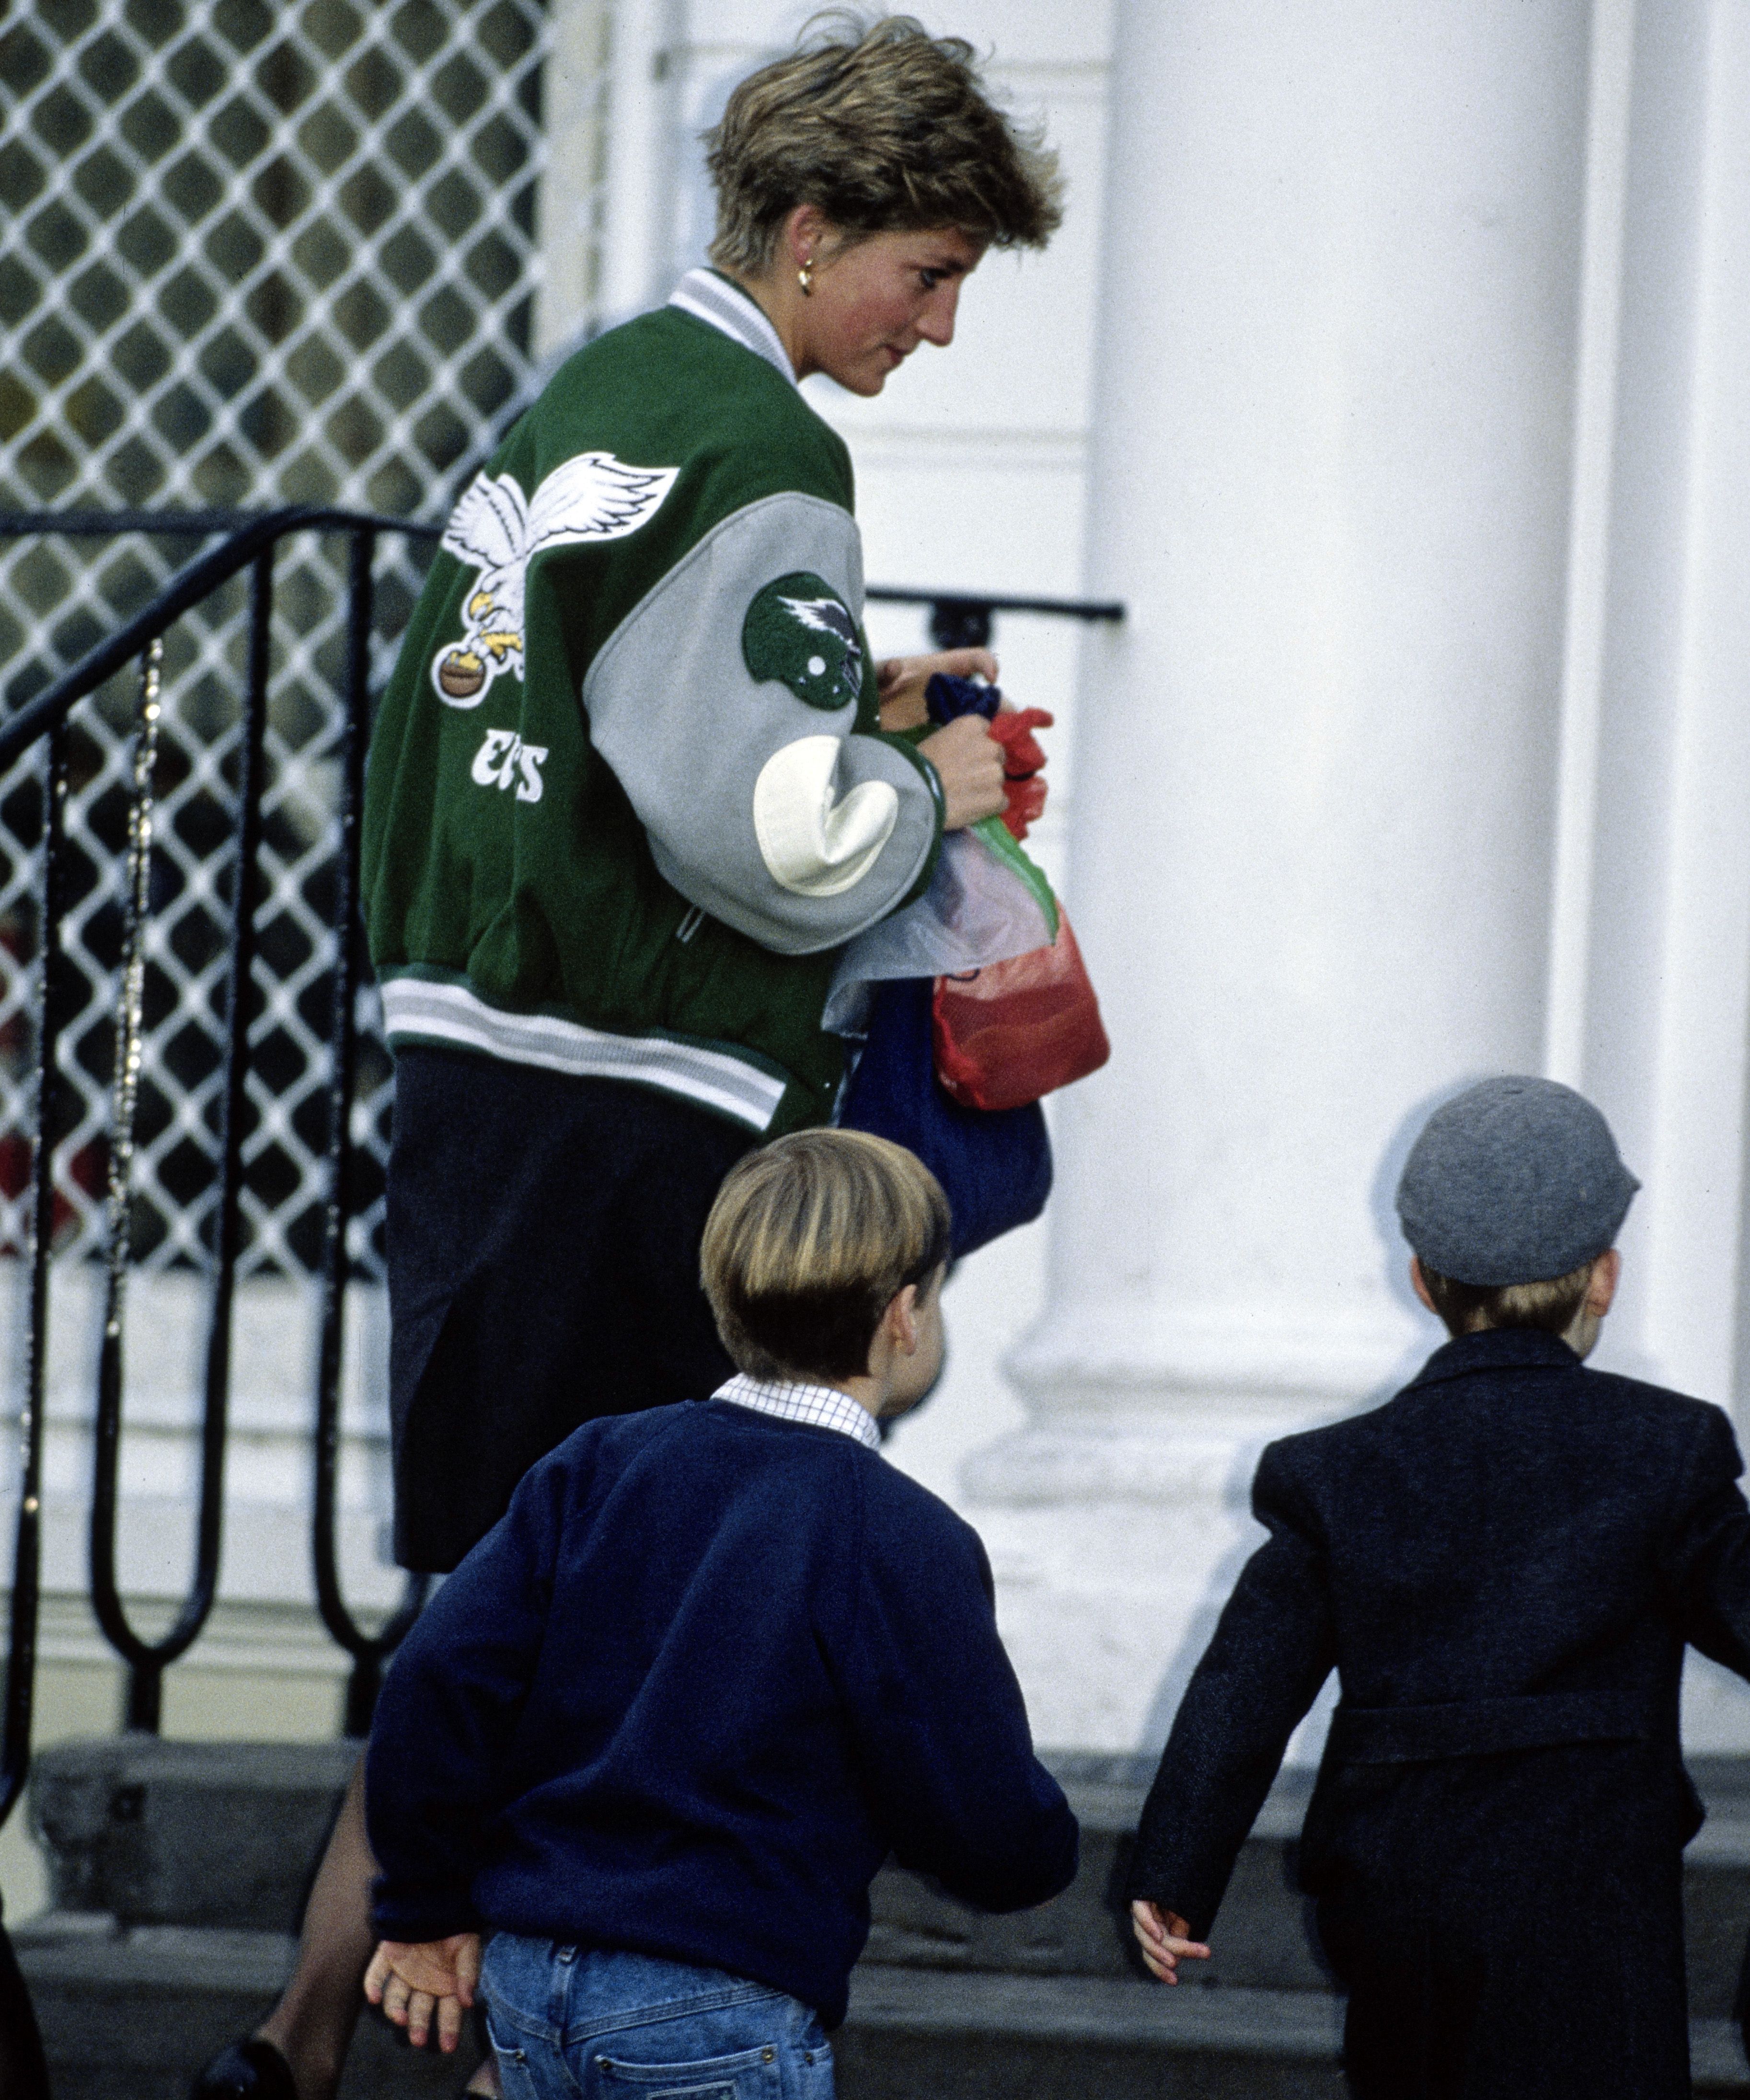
[821,1404]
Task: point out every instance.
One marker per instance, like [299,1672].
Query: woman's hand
[900,681]
[1165,1938]
[413,1982]
[968,759]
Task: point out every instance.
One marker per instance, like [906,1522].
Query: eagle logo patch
[498,532]
[799,631]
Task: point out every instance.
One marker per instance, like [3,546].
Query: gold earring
[804,278]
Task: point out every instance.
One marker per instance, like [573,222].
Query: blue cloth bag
[948,698]
[994,1165]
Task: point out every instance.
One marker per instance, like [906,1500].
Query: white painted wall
[1652,1011]
[1664,952]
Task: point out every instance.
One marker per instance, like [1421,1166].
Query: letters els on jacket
[504,761]
[495,530]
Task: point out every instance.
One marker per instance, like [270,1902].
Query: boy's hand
[411,1981]
[1164,1937]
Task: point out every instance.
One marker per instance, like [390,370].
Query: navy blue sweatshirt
[708,1671]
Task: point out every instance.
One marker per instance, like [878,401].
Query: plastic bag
[981,908]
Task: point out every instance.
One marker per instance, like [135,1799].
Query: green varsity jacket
[628,796]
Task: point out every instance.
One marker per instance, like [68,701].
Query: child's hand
[1164,1937]
[413,1982]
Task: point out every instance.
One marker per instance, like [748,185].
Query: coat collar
[722,305]
[1497,1349]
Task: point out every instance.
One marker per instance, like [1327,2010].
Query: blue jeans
[567,2021]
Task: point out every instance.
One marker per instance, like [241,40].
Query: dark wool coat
[1504,1564]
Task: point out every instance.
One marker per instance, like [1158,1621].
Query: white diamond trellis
[255,246]
[251,254]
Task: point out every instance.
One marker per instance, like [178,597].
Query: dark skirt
[543,1256]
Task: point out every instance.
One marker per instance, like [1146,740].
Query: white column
[1315,773]
[1657,942]
[1651,994]
[638,264]
[608,189]
[575,100]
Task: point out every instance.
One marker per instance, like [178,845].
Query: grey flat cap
[1511,1181]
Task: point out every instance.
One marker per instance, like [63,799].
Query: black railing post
[146,1660]
[962,619]
[959,623]
[239,990]
[367,1650]
[27,1558]
[23,2066]
[106,1434]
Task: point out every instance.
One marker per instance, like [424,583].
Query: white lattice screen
[250,254]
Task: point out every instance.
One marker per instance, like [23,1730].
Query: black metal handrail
[958,619]
[248,532]
[250,545]
[962,619]
[366,1650]
[146,1660]
[27,1558]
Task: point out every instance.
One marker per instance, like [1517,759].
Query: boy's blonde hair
[883,128]
[1549,1305]
[810,1240]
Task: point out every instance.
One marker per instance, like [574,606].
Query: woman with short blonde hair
[884,129]
[860,180]
[635,784]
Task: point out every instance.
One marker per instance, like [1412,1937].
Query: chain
[131,1031]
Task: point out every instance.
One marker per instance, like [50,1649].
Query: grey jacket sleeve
[724,703]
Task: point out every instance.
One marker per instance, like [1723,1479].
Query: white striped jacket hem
[415,1008]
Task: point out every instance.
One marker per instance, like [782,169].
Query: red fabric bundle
[1023,756]
[1013,1031]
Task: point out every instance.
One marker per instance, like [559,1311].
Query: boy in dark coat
[1504,1564]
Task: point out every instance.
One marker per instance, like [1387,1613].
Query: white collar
[822,1404]
[729,309]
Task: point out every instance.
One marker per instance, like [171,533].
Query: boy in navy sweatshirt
[659,1729]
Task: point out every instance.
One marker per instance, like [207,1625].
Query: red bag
[1012,1031]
